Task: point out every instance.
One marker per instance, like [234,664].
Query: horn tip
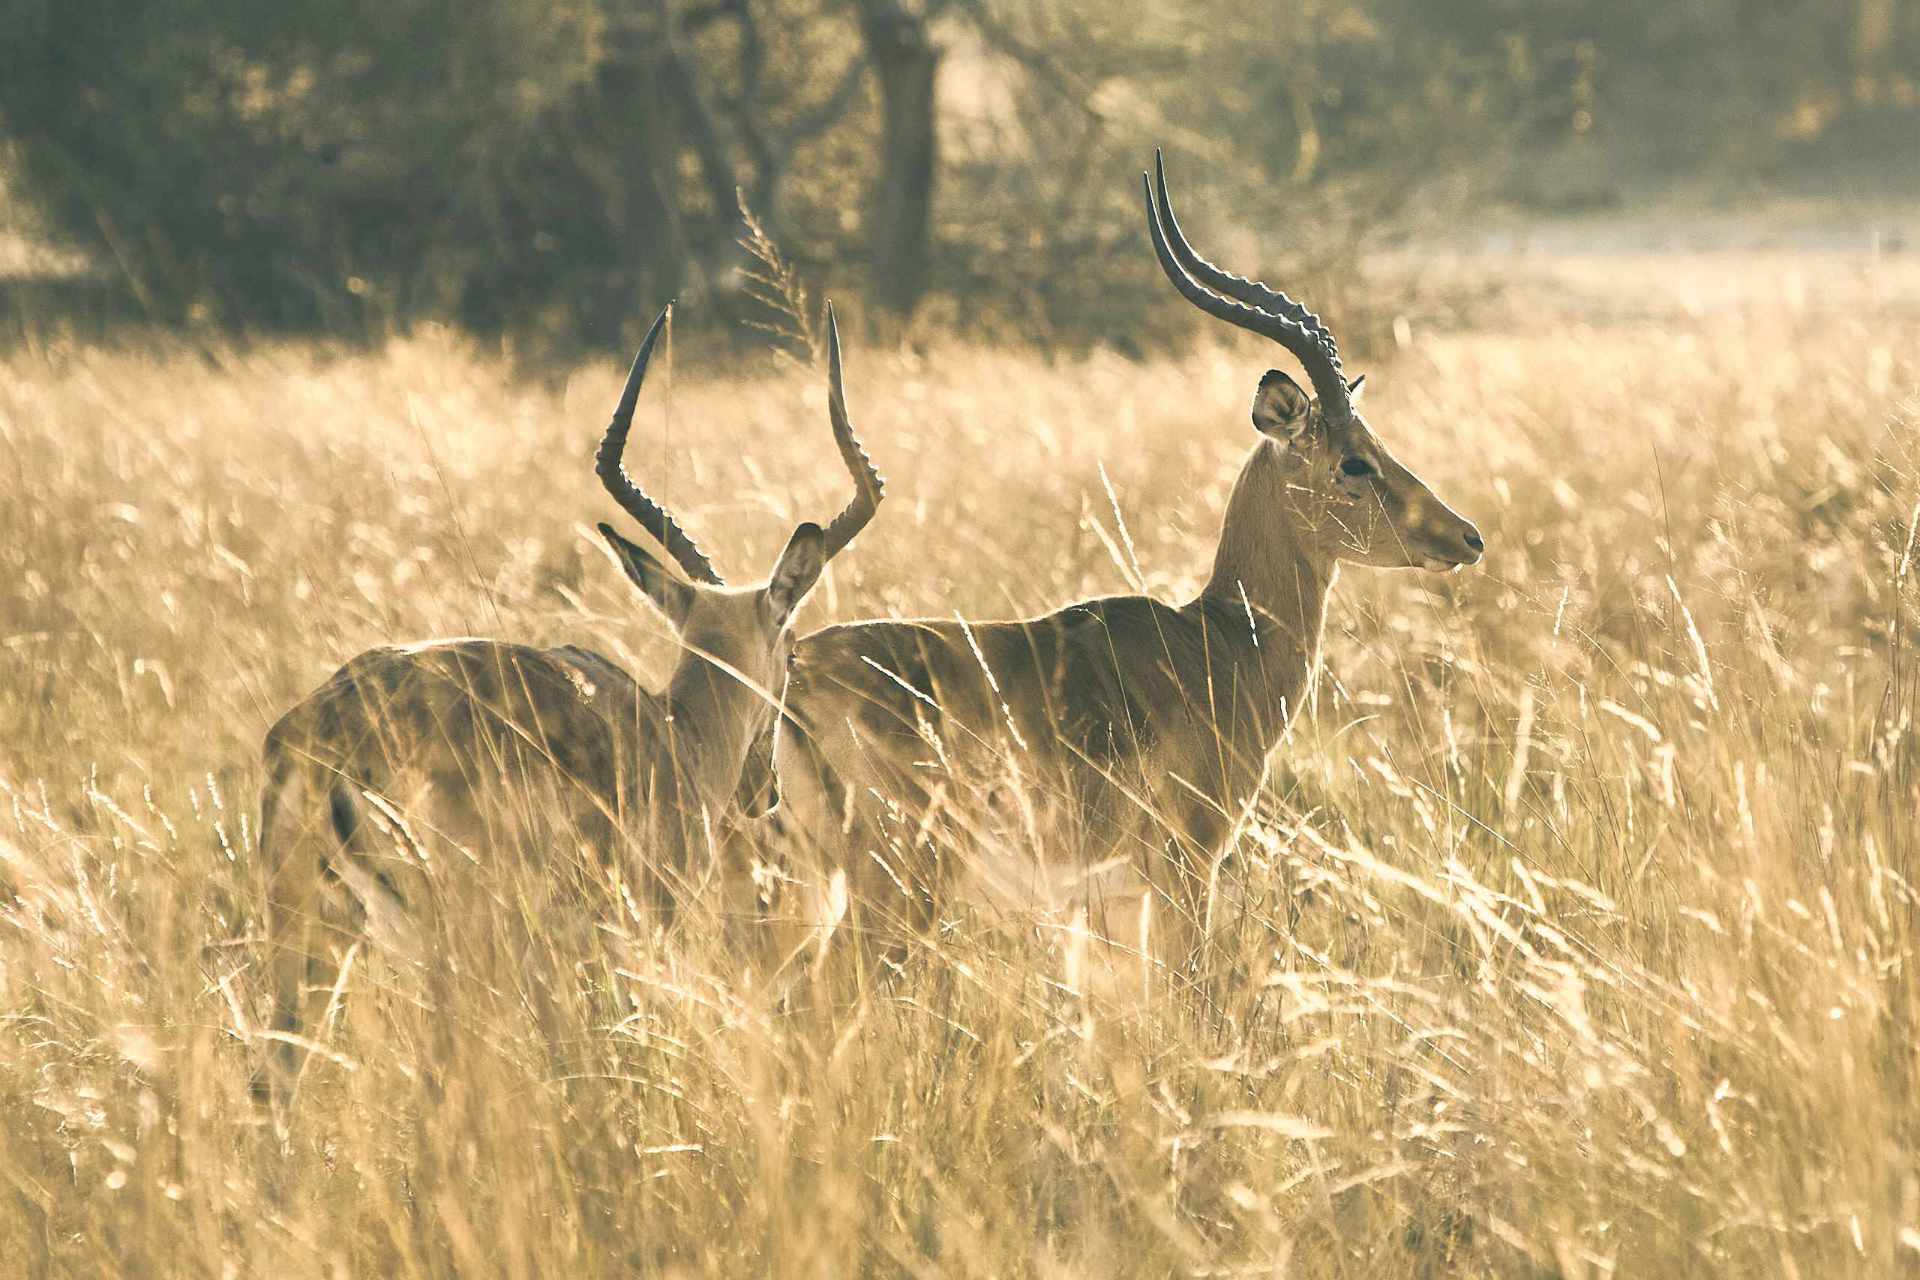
[659,324]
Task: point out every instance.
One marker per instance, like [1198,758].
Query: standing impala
[470,738]
[1118,732]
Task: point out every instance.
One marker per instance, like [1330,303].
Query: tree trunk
[655,231]
[905,62]
[630,136]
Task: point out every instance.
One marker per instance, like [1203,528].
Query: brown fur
[483,745]
[1128,728]
[493,751]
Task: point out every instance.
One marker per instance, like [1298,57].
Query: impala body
[410,756]
[1118,733]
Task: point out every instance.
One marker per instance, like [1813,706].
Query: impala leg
[811,819]
[1194,862]
[296,837]
[1172,843]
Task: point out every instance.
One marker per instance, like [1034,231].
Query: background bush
[561,166]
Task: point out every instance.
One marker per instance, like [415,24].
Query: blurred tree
[905,61]
[557,167]
[287,163]
[530,164]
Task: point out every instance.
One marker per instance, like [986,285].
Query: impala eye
[1356,467]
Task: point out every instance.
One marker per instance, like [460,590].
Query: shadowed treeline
[560,167]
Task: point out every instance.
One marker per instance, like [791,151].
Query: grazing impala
[1117,733]
[458,737]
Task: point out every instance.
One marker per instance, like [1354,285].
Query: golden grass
[1581,943]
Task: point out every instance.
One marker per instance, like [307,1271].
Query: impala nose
[1456,549]
[1446,541]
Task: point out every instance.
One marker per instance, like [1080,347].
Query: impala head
[1344,493]
[746,631]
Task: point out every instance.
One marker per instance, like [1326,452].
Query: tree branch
[1038,62]
[816,121]
[703,132]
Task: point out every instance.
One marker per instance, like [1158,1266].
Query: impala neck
[1264,567]
[714,714]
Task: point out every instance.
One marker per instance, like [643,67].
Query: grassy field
[1581,943]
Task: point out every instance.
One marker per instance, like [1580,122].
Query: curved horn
[1295,328]
[868,485]
[613,472]
[1252,292]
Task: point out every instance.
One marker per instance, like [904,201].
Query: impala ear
[1280,407]
[798,569]
[669,594]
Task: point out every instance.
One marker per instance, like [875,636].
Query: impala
[1117,733]
[463,739]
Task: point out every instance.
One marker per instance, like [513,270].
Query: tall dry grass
[1580,941]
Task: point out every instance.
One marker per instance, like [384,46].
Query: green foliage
[559,166]
[294,164]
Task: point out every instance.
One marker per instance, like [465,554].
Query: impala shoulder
[871,631]
[859,643]
[1127,608]
[1118,620]
[829,637]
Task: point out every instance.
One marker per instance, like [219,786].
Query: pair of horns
[1246,303]
[868,485]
